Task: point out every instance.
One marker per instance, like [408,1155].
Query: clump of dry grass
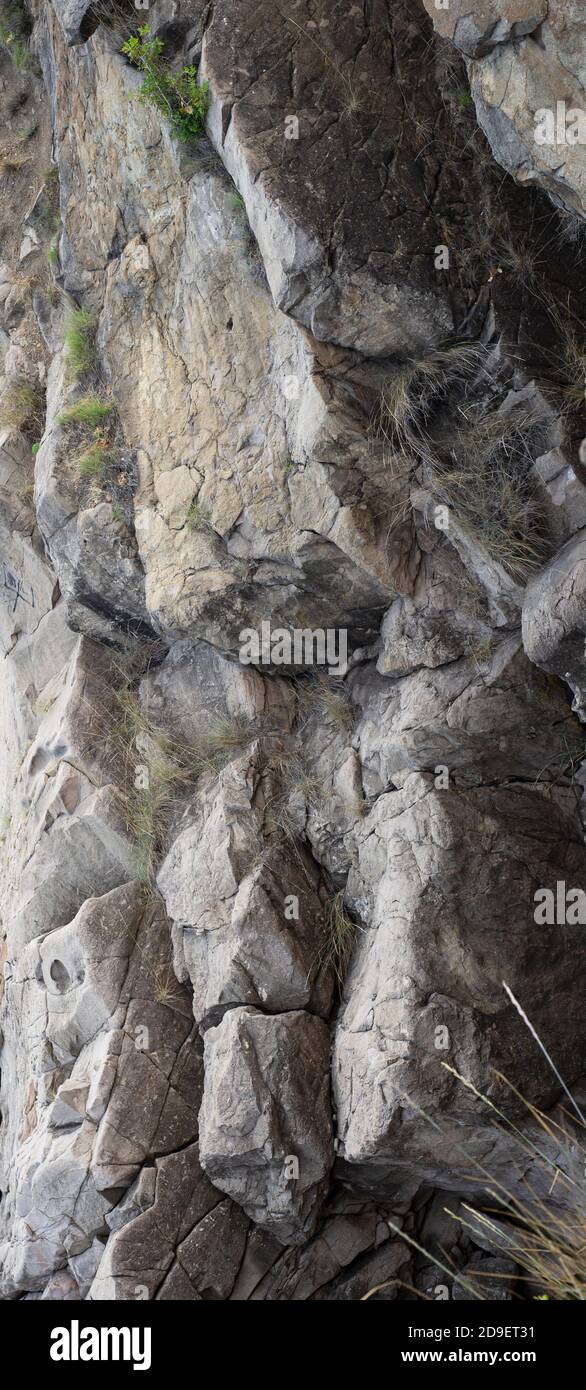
[570,362]
[408,398]
[486,482]
[338,937]
[157,770]
[328,698]
[121,16]
[545,1236]
[22,405]
[476,462]
[153,771]
[12,163]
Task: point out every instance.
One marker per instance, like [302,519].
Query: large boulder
[446,886]
[265,1121]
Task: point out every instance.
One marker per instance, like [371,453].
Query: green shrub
[90,410]
[198,518]
[80,349]
[178,95]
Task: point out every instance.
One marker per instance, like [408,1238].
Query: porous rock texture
[255,918]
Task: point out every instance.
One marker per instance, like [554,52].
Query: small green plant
[53,256]
[80,348]
[90,410]
[178,95]
[236,202]
[117,512]
[17,47]
[198,518]
[35,449]
[92,462]
[463,99]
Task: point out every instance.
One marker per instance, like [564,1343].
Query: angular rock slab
[488,717]
[248,918]
[336,233]
[521,64]
[265,1121]
[554,617]
[179,1240]
[101,1070]
[445,884]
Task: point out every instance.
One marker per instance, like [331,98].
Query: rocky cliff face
[314,378]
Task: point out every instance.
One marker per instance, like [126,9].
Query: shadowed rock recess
[313,373]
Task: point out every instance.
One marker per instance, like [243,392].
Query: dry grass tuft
[157,770]
[328,698]
[339,935]
[487,483]
[407,399]
[22,405]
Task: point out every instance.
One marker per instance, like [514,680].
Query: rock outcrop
[293,619]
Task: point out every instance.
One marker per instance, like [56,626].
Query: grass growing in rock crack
[486,482]
[80,346]
[93,462]
[90,410]
[570,362]
[329,699]
[12,163]
[13,37]
[158,770]
[338,937]
[475,461]
[154,769]
[22,405]
[198,518]
[408,398]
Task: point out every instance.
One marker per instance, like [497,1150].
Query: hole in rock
[60,976]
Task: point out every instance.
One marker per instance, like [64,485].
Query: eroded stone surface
[265,1128]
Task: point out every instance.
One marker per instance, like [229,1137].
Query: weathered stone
[554,617]
[248,921]
[265,1124]
[430,967]
[527,80]
[488,716]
